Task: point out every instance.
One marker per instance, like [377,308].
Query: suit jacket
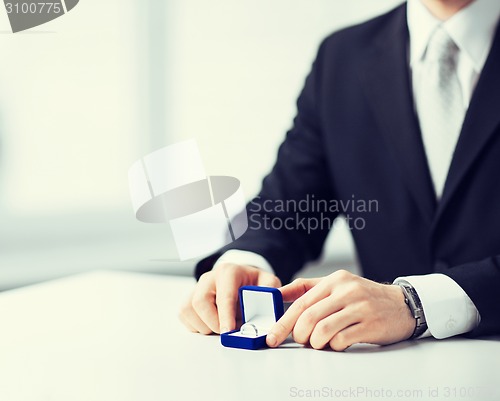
[356,134]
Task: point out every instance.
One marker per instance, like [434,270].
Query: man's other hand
[213,306]
[340,310]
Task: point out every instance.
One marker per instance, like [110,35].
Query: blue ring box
[260,306]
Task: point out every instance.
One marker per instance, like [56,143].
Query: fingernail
[224,330]
[271,340]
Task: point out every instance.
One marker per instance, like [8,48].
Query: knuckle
[355,287]
[205,276]
[275,282]
[206,331]
[366,307]
[185,309]
[309,317]
[300,304]
[222,265]
[352,290]
[222,269]
[298,336]
[199,302]
[299,282]
[341,338]
[227,267]
[340,342]
[342,274]
[316,343]
[323,328]
[184,318]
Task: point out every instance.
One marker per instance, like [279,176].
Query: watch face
[411,300]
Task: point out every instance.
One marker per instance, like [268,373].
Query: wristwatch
[415,306]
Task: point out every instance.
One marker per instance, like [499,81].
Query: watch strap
[415,305]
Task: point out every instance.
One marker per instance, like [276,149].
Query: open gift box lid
[261,307]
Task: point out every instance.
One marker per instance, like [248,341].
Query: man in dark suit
[401,113]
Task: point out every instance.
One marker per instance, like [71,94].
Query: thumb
[297,288]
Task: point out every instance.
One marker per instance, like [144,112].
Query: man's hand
[213,305]
[340,310]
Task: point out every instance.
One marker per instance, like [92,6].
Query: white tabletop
[115,336]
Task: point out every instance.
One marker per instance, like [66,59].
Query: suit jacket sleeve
[481,281]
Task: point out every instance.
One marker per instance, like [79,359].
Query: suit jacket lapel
[481,121]
[387,83]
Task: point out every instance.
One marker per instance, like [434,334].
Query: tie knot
[442,49]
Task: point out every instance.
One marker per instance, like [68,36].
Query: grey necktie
[440,105]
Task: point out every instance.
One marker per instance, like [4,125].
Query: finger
[227,300]
[347,337]
[203,303]
[193,322]
[297,288]
[308,320]
[326,329]
[188,326]
[284,326]
[268,280]
[185,321]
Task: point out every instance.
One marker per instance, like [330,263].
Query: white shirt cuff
[448,309]
[245,258]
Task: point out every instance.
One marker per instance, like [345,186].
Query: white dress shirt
[448,309]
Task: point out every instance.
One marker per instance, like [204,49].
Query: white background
[85,95]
